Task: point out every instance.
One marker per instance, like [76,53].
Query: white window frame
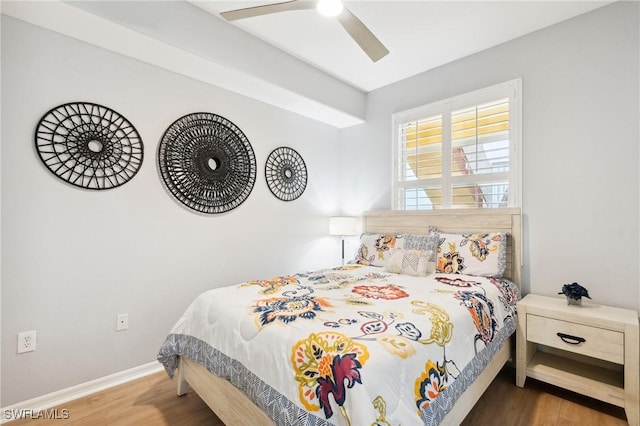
[510,89]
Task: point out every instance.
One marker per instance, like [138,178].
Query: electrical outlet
[122,322]
[26,341]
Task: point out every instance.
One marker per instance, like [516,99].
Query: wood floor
[152,401]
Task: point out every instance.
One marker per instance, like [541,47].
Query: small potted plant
[574,293]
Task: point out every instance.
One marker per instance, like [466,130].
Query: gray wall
[72,259]
[580,82]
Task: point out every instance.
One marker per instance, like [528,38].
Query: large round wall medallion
[207,163]
[286,173]
[89,145]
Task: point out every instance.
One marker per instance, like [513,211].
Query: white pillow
[483,254]
[408,262]
[375,248]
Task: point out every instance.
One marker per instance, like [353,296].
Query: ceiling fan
[368,42]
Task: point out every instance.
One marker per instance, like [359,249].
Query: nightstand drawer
[582,339]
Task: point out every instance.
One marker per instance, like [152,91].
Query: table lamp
[343,226]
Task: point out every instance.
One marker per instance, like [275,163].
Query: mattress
[350,345]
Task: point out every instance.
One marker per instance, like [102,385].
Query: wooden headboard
[455,220]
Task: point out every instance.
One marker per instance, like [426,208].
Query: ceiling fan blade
[250,12]
[362,35]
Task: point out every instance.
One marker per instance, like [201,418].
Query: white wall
[72,259]
[580,147]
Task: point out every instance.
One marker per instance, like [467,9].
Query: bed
[374,342]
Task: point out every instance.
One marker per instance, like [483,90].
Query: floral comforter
[352,345]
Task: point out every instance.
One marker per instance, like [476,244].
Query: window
[462,152]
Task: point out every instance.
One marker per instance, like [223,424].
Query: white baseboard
[36,405]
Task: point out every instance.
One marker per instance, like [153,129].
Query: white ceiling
[420,35]
[298,61]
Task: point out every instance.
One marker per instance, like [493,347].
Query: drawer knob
[572,340]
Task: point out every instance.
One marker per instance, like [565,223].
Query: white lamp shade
[343,225]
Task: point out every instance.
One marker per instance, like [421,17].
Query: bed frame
[233,407]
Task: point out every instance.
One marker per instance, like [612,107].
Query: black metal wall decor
[207,163]
[89,145]
[286,173]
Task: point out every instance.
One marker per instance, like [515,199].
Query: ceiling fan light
[329,7]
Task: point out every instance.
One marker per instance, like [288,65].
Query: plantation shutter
[459,153]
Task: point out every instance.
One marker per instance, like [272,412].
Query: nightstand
[589,349]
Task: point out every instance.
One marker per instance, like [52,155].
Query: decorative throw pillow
[482,254]
[409,262]
[422,242]
[374,248]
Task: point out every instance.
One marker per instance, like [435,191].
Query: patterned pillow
[422,242]
[409,262]
[374,248]
[482,254]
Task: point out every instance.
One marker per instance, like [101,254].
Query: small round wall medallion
[207,163]
[89,145]
[286,173]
